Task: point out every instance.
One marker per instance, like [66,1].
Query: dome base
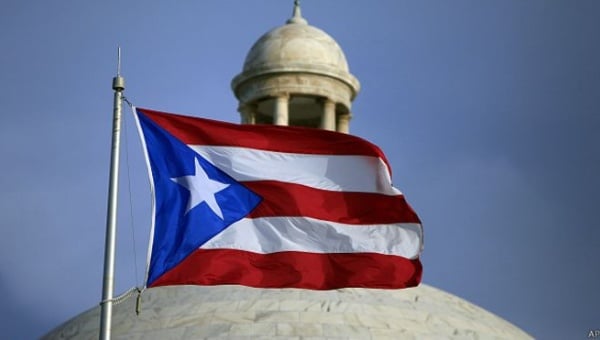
[194,312]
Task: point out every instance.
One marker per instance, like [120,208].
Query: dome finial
[297,16]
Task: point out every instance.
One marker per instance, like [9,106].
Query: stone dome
[197,312]
[302,60]
[296,47]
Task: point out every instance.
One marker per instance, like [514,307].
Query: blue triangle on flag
[178,232]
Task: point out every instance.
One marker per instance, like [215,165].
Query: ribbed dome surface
[296,44]
[195,312]
[296,49]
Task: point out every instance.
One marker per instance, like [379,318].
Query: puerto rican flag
[272,206]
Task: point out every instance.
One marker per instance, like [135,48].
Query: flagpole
[118,85]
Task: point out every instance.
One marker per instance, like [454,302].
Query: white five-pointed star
[202,189]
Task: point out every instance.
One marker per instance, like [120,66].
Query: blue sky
[488,111]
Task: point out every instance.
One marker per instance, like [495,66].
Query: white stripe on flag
[276,234]
[327,172]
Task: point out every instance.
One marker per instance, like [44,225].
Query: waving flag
[272,206]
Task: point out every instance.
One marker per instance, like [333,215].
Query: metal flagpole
[118,85]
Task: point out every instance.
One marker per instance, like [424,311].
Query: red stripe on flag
[289,199]
[201,131]
[294,269]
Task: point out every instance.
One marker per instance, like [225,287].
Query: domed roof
[193,312]
[297,43]
[296,47]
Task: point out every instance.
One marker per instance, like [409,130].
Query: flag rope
[126,295]
[131,216]
[152,196]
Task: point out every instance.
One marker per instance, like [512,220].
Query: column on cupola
[328,115]
[248,113]
[281,114]
[343,123]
